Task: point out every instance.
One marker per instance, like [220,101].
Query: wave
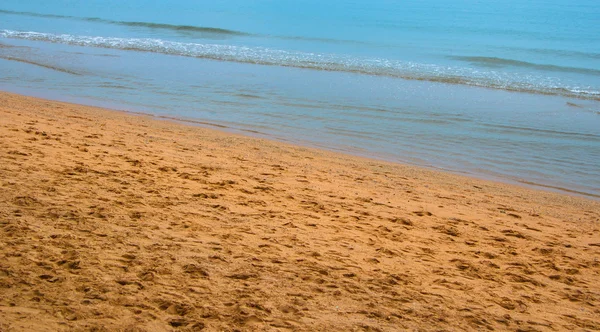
[501,62]
[562,53]
[39,64]
[185,28]
[325,62]
[180,28]
[3,11]
[6,46]
[226,32]
[150,25]
[585,136]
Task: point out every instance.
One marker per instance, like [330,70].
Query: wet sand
[113,221]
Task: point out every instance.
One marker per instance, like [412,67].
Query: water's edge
[307,144]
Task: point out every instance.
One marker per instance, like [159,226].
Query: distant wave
[564,53]
[232,33]
[182,28]
[326,62]
[150,25]
[2,11]
[500,62]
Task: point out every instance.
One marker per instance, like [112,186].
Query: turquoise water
[502,89]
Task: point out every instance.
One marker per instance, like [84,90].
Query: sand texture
[117,222]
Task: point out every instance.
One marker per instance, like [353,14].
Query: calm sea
[507,89]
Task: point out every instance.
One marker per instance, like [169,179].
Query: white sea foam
[319,61]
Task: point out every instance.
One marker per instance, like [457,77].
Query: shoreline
[113,220]
[376,157]
[501,178]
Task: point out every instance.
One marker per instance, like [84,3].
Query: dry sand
[112,221]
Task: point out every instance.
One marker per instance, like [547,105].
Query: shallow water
[495,89]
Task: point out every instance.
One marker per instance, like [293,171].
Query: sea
[505,90]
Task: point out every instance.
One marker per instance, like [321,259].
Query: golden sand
[112,221]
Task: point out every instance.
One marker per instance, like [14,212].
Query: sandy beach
[112,221]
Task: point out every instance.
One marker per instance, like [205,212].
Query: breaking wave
[327,62]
